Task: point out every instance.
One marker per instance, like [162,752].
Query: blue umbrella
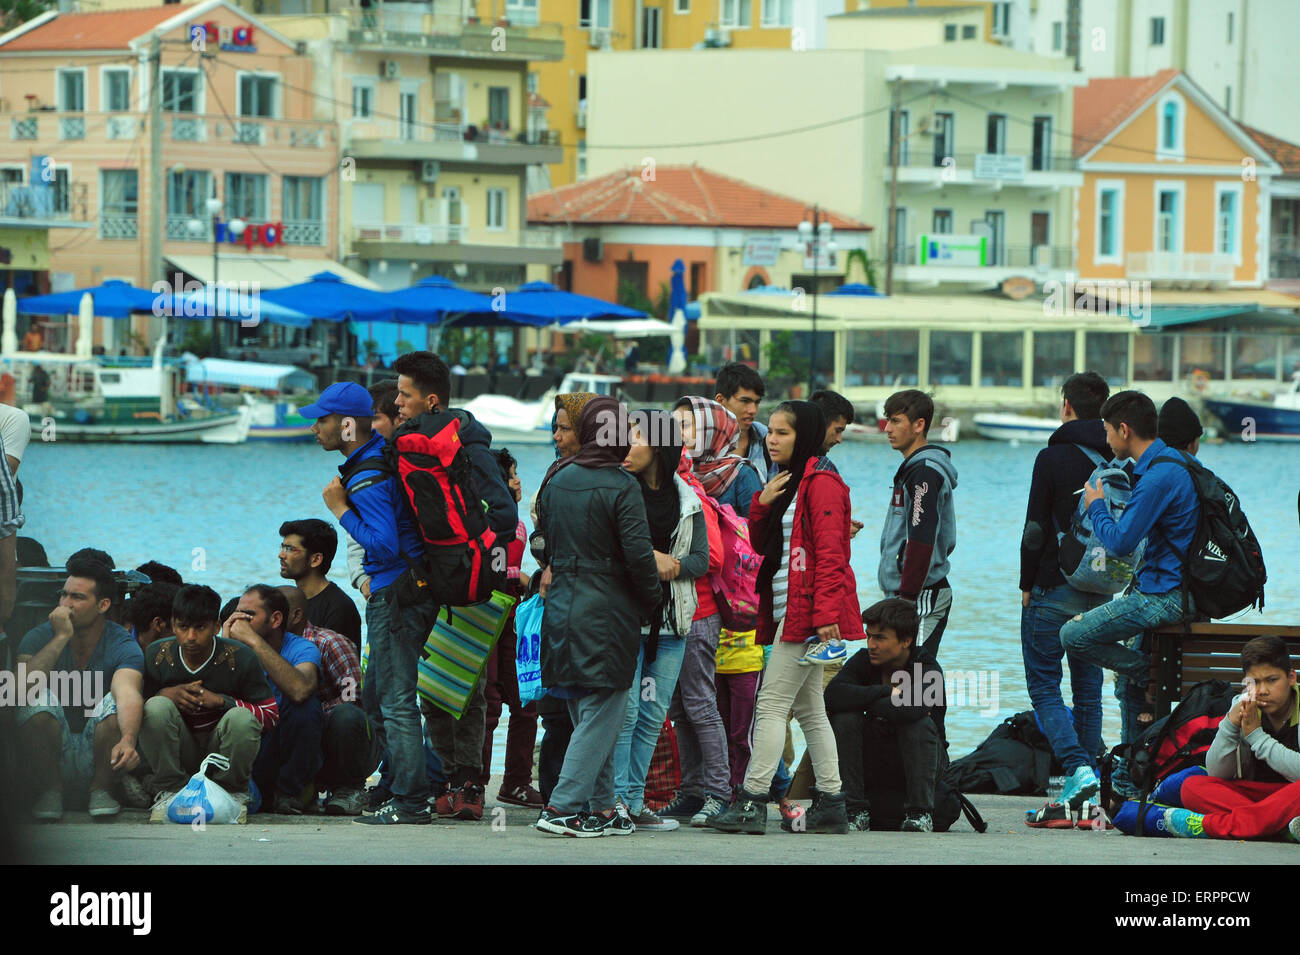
[113,299]
[546,305]
[230,304]
[328,297]
[857,288]
[435,299]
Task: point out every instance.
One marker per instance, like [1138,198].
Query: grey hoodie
[921,526]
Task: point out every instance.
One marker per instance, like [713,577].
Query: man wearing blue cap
[372,509]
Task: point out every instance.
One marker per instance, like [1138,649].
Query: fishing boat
[1260,419]
[267,389]
[529,422]
[1014,427]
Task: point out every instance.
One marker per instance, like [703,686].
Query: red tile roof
[678,195]
[1287,154]
[106,30]
[1105,103]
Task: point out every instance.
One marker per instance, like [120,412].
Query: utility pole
[155,161]
[895,101]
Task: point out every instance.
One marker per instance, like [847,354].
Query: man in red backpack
[423,386]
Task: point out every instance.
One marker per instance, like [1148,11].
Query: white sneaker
[102,804]
[48,806]
[159,811]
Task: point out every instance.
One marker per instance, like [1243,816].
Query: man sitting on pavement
[887,708]
[348,747]
[205,695]
[307,549]
[290,754]
[149,612]
[86,727]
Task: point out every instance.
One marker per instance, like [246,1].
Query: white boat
[265,388]
[948,432]
[1015,427]
[529,422]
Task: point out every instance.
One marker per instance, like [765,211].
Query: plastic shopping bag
[528,649]
[204,799]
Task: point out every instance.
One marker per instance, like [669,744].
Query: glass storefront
[881,356]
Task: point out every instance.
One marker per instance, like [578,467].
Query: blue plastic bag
[528,649]
[203,799]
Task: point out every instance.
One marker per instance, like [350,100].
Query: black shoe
[577,824]
[392,814]
[375,799]
[682,807]
[283,805]
[747,814]
[616,822]
[861,821]
[917,822]
[826,815]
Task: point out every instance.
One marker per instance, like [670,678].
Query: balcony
[451,34]
[43,202]
[1199,268]
[46,128]
[450,142]
[437,242]
[920,165]
[1038,262]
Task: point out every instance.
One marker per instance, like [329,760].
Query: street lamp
[236,228]
[816,236]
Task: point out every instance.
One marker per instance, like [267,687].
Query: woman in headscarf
[800,523]
[604,582]
[679,535]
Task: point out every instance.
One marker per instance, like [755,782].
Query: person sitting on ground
[116,610]
[887,709]
[87,729]
[348,748]
[149,612]
[1253,787]
[160,573]
[205,695]
[290,752]
[307,549]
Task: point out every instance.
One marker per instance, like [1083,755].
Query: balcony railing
[1057,257]
[418,132]
[51,127]
[72,127]
[41,201]
[920,155]
[304,232]
[119,225]
[178,228]
[442,27]
[1180,266]
[441,233]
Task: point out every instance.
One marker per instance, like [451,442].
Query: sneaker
[282,805]
[158,812]
[1185,824]
[713,806]
[832,651]
[917,822]
[616,822]
[103,805]
[1080,785]
[468,802]
[134,794]
[861,821]
[747,814]
[376,799]
[525,796]
[393,814]
[444,805]
[48,806]
[1056,815]
[790,810]
[577,824]
[682,807]
[345,801]
[827,814]
[1293,830]
[649,821]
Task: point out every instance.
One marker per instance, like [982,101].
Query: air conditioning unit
[714,37]
[600,38]
[388,69]
[582,117]
[592,250]
[925,125]
[429,170]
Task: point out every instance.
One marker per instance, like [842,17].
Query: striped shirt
[11,516]
[781,582]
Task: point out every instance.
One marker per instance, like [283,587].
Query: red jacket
[823,589]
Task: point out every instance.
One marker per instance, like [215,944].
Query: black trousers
[880,758]
[349,749]
[557,729]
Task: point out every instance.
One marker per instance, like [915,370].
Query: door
[406,115]
[997,221]
[943,137]
[410,200]
[368,203]
[995,139]
[900,236]
[1042,157]
[941,222]
[1040,232]
[903,127]
[651,22]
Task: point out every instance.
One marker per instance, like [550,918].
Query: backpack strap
[1093,456]
[972,814]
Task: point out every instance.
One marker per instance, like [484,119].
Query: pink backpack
[735,586]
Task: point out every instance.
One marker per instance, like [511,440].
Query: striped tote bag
[458,649]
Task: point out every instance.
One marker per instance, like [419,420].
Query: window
[719,346]
[61,192]
[604,16]
[1202,352]
[1227,228]
[1157,31]
[1107,355]
[182,91]
[187,194]
[1002,359]
[1041,159]
[682,6]
[257,95]
[652,28]
[950,33]
[997,222]
[496,210]
[968,31]
[633,277]
[1169,237]
[881,356]
[1108,214]
[582,159]
[900,236]
[903,124]
[1171,131]
[522,12]
[1001,19]
[950,358]
[941,222]
[117,90]
[1053,358]
[995,140]
[302,199]
[1153,357]
[697,286]
[1255,356]
[778,13]
[1058,30]
[584,13]
[246,196]
[499,107]
[119,198]
[1229,26]
[823,356]
[72,91]
[363,101]
[534,82]
[735,13]
[943,137]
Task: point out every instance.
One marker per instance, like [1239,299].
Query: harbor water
[214,513]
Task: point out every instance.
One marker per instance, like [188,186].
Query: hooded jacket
[1060,472]
[920,528]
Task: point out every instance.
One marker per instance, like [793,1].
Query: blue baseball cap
[345,398]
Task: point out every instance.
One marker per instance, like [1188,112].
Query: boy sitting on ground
[1253,787]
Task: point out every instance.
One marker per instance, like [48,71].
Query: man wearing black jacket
[1060,472]
[886,709]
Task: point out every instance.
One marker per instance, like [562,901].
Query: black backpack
[1015,759]
[1223,571]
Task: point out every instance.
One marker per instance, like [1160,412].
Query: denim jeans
[1075,740]
[396,635]
[1099,637]
[647,705]
[290,754]
[701,734]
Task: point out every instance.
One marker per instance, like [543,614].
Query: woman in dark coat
[603,582]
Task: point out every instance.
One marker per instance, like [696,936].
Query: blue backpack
[1083,558]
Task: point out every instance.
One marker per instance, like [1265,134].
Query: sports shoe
[134,794]
[48,806]
[375,799]
[345,801]
[861,821]
[748,813]
[525,796]
[468,802]
[103,805]
[651,822]
[1057,815]
[917,822]
[445,805]
[1080,785]
[1185,824]
[577,824]
[827,814]
[282,805]
[713,807]
[616,822]
[158,812]
[1293,830]
[832,651]
[682,807]
[790,810]
[393,814]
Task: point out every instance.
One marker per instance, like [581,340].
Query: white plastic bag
[204,799]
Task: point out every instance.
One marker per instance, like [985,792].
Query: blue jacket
[742,490]
[1165,500]
[380,520]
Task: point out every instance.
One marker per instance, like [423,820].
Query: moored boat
[1250,419]
[1014,427]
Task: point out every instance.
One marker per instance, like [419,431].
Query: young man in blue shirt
[1163,509]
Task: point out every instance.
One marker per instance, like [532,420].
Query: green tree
[14,13]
